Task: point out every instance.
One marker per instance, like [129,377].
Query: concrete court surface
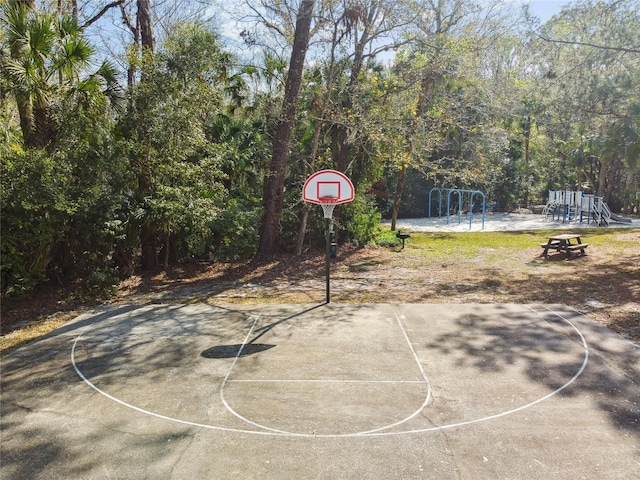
[334,391]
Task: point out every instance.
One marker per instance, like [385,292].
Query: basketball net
[328,204]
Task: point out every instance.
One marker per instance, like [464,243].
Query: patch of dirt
[604,284]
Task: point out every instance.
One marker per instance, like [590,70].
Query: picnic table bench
[563,243]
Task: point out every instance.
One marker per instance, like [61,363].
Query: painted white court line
[422,372]
[327,381]
[376,432]
[143,410]
[633,344]
[226,379]
[365,432]
[522,407]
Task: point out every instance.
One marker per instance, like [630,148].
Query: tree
[274,183]
[444,104]
[44,58]
[621,45]
[143,162]
[592,77]
[174,135]
[59,180]
[368,30]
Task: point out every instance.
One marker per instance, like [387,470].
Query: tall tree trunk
[274,183]
[25,112]
[302,229]
[340,138]
[602,190]
[526,131]
[148,232]
[44,131]
[306,207]
[398,197]
[146,26]
[147,229]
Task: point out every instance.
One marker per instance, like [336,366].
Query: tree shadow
[611,377]
[214,279]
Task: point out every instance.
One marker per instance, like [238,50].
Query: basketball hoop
[328,204]
[328,188]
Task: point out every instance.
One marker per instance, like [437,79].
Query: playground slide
[619,219]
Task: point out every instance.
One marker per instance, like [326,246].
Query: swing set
[461,199]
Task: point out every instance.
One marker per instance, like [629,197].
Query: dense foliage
[163,158]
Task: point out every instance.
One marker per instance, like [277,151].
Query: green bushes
[35,216]
[361,219]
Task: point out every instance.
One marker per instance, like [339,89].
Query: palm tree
[42,58]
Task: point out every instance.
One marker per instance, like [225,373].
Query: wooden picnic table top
[564,236]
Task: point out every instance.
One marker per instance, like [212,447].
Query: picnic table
[565,242]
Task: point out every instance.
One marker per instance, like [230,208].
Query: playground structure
[461,199]
[575,206]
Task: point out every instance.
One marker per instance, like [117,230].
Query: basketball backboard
[328,186]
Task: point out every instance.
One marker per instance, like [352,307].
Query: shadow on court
[250,347]
[323,391]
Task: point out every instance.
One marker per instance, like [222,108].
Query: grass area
[36,329]
[469,244]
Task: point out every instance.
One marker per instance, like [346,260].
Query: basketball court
[369,391]
[372,391]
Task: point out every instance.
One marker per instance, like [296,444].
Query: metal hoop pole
[327,235]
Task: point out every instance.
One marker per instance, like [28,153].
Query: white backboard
[328,184]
